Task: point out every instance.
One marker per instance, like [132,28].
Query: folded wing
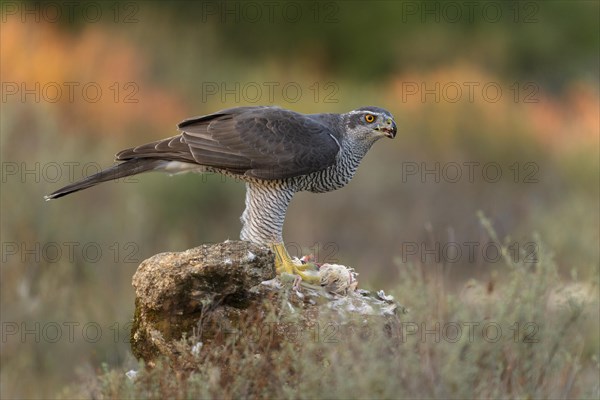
[261,142]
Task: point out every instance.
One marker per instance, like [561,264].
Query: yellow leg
[284,264]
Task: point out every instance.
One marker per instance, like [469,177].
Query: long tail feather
[127,168]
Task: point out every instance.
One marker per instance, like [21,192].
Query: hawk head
[370,124]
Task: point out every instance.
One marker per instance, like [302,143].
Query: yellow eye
[369,118]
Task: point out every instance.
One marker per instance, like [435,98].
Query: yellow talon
[284,264]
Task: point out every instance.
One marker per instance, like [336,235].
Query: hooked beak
[389,128]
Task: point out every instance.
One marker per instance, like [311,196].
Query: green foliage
[367,41]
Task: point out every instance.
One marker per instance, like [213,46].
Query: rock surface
[211,292]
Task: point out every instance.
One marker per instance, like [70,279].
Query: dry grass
[364,225]
[509,340]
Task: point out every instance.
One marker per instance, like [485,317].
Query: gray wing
[261,142]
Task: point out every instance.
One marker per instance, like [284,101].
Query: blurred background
[497,105]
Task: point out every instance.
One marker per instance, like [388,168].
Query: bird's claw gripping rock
[309,272]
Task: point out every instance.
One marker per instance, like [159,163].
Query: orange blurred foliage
[559,123]
[570,122]
[95,57]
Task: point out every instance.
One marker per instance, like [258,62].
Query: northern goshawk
[277,153]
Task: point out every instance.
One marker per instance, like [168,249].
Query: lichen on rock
[211,292]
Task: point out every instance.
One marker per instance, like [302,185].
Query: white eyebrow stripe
[366,112]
